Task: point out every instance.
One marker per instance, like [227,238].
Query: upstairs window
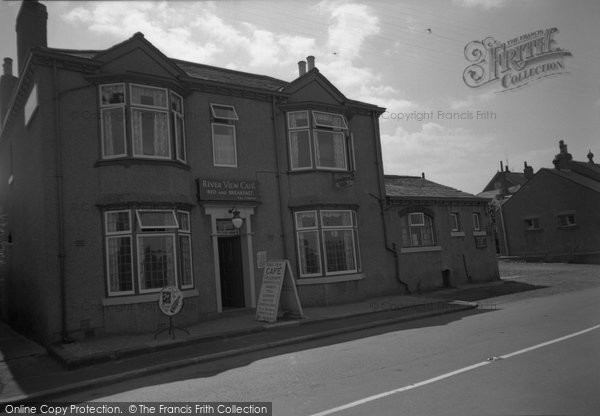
[319,140]
[141,122]
[223,135]
[417,230]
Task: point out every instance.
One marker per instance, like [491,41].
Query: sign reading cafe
[516,62]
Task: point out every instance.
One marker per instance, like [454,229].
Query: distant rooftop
[418,187]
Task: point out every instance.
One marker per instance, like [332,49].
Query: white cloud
[471,101]
[486,4]
[446,155]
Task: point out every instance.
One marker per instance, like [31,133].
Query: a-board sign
[170,300]
[277,292]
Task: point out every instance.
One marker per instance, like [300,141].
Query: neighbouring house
[554,216]
[499,189]
[444,235]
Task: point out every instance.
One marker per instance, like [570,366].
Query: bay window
[152,245]
[154,117]
[318,140]
[327,242]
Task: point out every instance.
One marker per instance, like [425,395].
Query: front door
[231,267]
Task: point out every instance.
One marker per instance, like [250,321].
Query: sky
[406,56]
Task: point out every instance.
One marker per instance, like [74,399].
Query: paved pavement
[28,372]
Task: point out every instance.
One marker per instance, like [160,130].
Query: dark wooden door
[232,278]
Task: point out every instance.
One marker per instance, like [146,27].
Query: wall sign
[227,190]
[480,241]
[170,300]
[277,291]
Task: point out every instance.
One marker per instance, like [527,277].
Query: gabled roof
[577,178]
[508,177]
[416,187]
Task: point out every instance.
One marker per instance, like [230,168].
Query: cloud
[486,4]
[471,101]
[447,155]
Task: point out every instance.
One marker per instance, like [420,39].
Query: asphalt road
[532,353]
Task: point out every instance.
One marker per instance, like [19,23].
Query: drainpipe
[503,229]
[278,176]
[59,191]
[379,163]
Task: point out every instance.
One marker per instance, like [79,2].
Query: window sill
[330,279]
[457,234]
[420,249]
[479,233]
[147,297]
[130,161]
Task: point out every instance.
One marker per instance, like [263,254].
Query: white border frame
[154,107]
[145,227]
[212,111]
[118,234]
[301,127]
[310,150]
[139,268]
[454,222]
[154,110]
[345,147]
[476,223]
[178,115]
[104,155]
[326,125]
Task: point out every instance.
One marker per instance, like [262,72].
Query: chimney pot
[302,67]
[7,66]
[422,175]
[311,62]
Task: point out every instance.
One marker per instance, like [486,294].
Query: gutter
[278,176]
[379,163]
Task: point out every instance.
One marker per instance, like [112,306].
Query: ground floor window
[147,250]
[417,230]
[327,242]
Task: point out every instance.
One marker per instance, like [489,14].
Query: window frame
[223,165]
[312,128]
[428,221]
[108,235]
[476,221]
[135,233]
[231,107]
[140,253]
[320,230]
[532,224]
[567,215]
[455,222]
[112,106]
[176,146]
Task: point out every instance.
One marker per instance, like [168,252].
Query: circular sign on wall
[170,300]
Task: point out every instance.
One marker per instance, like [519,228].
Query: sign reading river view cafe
[227,190]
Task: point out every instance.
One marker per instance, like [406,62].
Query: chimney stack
[561,160]
[527,171]
[31,29]
[311,62]
[501,166]
[590,157]
[7,85]
[302,67]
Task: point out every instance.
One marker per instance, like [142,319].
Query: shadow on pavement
[485,292]
[215,367]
